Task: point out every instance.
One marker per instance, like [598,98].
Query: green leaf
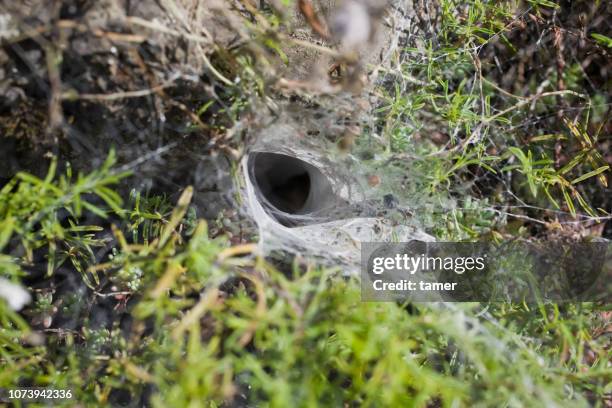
[532,185]
[573,163]
[96,210]
[591,174]
[544,3]
[519,154]
[177,215]
[6,231]
[586,207]
[552,136]
[568,201]
[602,39]
[110,197]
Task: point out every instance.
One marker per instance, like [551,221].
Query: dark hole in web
[291,194]
[295,192]
[283,181]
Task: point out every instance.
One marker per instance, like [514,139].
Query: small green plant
[542,174]
[30,209]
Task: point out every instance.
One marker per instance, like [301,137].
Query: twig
[101,33]
[404,76]
[260,309]
[309,13]
[56,115]
[163,29]
[532,98]
[119,95]
[70,24]
[307,44]
[206,302]
[112,294]
[237,250]
[182,34]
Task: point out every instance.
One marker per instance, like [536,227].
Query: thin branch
[530,99]
[163,29]
[208,40]
[119,95]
